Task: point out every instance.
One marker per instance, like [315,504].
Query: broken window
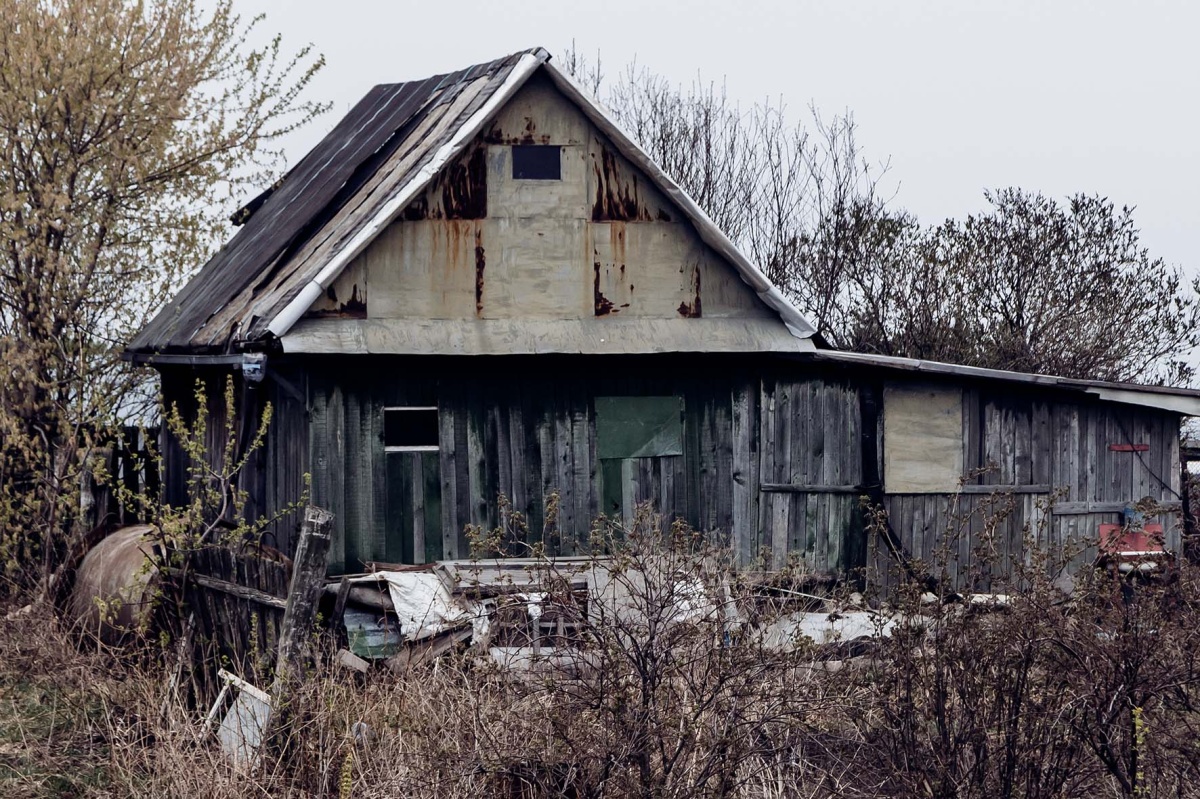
[922,438]
[410,429]
[639,427]
[536,162]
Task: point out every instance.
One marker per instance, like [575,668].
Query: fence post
[308,577]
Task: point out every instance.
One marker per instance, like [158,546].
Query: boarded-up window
[922,438]
[410,429]
[639,427]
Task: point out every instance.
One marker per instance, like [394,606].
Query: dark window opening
[536,162]
[410,429]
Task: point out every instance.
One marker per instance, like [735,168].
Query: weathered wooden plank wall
[1045,469]
[773,463]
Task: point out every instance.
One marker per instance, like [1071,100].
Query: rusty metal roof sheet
[405,122]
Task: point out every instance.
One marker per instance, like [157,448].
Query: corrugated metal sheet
[398,126]
[1179,400]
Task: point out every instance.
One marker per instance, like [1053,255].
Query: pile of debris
[516,610]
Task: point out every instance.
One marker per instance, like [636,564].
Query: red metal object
[1117,539]
[1129,447]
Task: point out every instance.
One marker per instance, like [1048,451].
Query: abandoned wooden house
[477,285]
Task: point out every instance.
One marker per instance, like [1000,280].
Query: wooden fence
[233,607]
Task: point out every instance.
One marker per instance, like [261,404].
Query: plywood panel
[922,442]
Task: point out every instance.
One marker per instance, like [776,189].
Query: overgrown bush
[683,688]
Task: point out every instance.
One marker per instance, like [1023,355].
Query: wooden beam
[1083,508]
[800,488]
[233,589]
[1005,489]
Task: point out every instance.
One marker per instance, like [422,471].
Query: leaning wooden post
[308,582]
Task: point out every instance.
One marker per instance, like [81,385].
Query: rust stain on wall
[480,263]
[417,209]
[528,135]
[603,306]
[616,196]
[691,310]
[464,190]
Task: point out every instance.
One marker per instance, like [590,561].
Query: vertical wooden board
[483,500]
[514,450]
[745,482]
[431,497]
[973,457]
[548,532]
[1064,422]
[1008,437]
[827,529]
[376,463]
[779,509]
[1042,448]
[1102,480]
[583,469]
[399,509]
[322,488]
[785,433]
[708,466]
[920,547]
[531,412]
[498,429]
[854,423]
[723,452]
[564,470]
[464,467]
[357,483]
[796,518]
[449,470]
[1023,447]
[666,488]
[993,457]
[813,446]
[1171,475]
[406,500]
[766,459]
[1123,463]
[628,481]
[337,479]
[1140,428]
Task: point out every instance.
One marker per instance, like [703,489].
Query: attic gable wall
[601,243]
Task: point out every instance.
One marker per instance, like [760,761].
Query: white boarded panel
[922,438]
[524,199]
[425,269]
[535,269]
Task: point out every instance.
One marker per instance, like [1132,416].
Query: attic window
[410,429]
[536,162]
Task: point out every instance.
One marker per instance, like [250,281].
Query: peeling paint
[528,135]
[617,197]
[691,310]
[464,191]
[603,305]
[480,263]
[353,308]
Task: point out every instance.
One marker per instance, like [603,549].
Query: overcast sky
[1062,97]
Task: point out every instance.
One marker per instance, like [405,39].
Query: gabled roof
[298,236]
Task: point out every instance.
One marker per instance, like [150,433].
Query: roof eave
[1177,400]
